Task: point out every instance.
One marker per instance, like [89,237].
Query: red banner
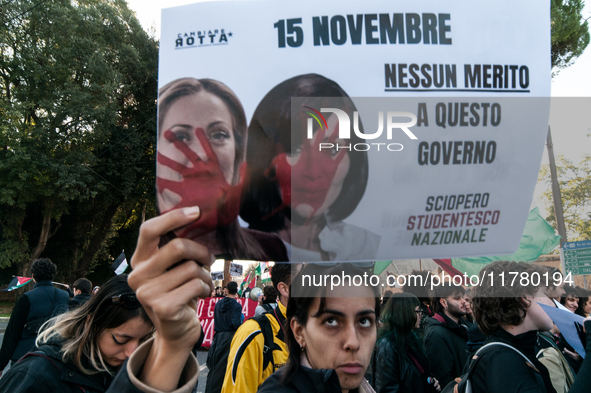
[205,310]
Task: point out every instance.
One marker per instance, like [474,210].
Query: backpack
[267,331]
[463,384]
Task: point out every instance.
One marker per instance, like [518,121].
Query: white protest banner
[441,161]
[215,276]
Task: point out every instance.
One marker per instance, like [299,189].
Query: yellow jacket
[245,372]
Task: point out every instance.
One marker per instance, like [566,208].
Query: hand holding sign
[169,292]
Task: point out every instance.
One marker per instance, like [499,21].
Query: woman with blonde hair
[82,350]
[201,161]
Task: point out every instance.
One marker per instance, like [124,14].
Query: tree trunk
[44,236]
[94,244]
[45,233]
[556,196]
[227,277]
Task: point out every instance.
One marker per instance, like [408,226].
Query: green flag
[538,238]
[380,266]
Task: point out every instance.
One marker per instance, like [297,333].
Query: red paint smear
[202,185]
[313,173]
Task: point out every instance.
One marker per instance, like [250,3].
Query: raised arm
[170,295]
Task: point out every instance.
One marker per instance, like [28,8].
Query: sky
[570,119]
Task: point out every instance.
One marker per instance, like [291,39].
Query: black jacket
[306,380]
[44,371]
[226,315]
[226,321]
[79,300]
[502,370]
[396,373]
[445,346]
[476,339]
[34,304]
[427,313]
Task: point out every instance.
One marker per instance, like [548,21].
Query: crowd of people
[76,345]
[340,339]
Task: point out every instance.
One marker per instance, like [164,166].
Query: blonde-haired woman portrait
[202,136]
[81,351]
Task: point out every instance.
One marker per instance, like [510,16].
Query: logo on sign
[197,39]
[344,129]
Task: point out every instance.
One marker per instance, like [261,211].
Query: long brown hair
[78,330]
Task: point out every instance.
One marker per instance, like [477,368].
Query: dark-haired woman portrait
[202,137]
[83,349]
[400,364]
[330,335]
[299,190]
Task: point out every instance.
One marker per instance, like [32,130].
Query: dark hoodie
[227,315]
[307,380]
[476,339]
[226,322]
[445,346]
[503,370]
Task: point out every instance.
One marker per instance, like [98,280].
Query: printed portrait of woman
[299,190]
[202,136]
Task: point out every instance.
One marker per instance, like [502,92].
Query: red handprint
[202,185]
[312,175]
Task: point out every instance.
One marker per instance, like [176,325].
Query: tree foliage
[575,187]
[77,129]
[78,126]
[570,32]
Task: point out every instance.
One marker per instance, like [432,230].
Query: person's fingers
[173,252]
[170,280]
[151,230]
[166,307]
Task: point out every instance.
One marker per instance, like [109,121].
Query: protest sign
[205,312]
[217,276]
[441,161]
[570,326]
[235,269]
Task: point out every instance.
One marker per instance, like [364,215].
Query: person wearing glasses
[400,364]
[82,350]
